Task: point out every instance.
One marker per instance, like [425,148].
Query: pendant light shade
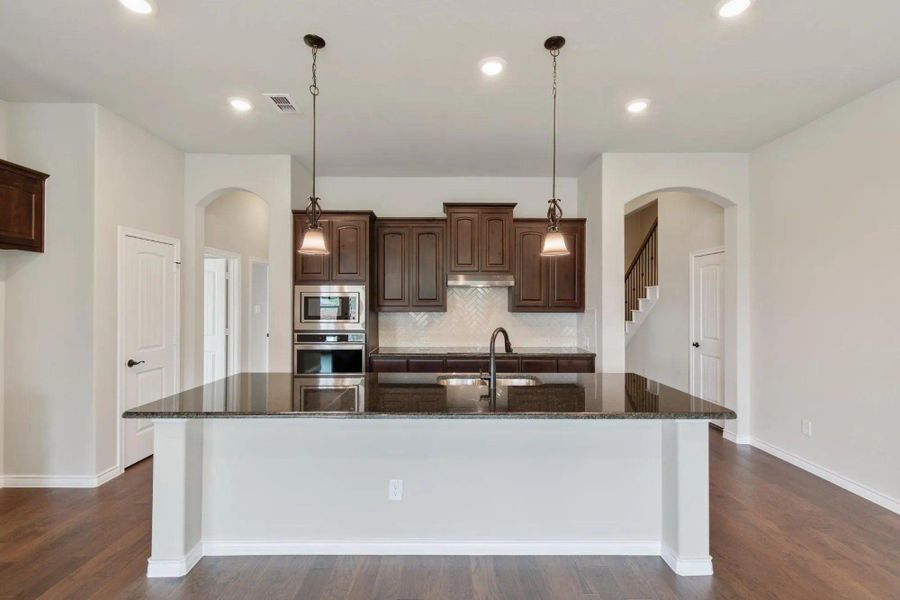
[314,238]
[554,241]
[554,244]
[314,242]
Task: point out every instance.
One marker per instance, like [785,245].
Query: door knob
[133,363]
[696,344]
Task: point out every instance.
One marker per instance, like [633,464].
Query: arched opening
[735,329]
[675,291]
[234,254]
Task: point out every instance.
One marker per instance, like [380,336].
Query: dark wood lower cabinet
[476,364]
[539,365]
[425,365]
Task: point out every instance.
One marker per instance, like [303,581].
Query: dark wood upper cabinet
[547,284]
[347,239]
[428,280]
[480,237]
[411,273]
[532,272]
[496,240]
[392,277]
[21,207]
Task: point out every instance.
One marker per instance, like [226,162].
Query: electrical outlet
[395,489]
[806,427]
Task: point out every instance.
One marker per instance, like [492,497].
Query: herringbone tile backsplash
[472,314]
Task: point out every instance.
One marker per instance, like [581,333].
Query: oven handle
[330,346]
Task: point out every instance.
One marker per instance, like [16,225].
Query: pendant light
[314,237]
[554,242]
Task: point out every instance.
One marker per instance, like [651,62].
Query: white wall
[49,421]
[660,349]
[238,222]
[424,196]
[3,120]
[274,178]
[825,241]
[139,185]
[3,128]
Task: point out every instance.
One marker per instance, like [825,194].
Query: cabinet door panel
[388,365]
[467,365]
[349,240]
[532,287]
[311,269]
[464,246]
[426,365]
[21,208]
[567,272]
[575,365]
[393,267]
[427,278]
[539,365]
[496,249]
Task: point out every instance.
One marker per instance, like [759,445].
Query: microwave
[329,308]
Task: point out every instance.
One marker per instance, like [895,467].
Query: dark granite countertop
[419,395]
[477,351]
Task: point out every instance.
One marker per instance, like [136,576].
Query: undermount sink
[461,380]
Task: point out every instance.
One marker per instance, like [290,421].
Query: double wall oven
[329,329]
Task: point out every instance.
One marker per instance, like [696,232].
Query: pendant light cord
[314,91]
[554,54]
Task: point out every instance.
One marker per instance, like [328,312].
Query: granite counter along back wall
[472,314]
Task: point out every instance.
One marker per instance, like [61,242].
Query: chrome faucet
[492,376]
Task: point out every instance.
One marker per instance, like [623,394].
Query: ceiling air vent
[283,103]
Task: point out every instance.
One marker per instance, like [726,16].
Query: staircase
[641,284]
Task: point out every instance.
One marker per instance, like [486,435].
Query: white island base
[319,486]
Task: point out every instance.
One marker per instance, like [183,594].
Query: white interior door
[259,317]
[707,324]
[215,318]
[149,344]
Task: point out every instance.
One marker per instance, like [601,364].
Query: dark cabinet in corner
[547,284]
[410,265]
[21,207]
[347,237]
[480,238]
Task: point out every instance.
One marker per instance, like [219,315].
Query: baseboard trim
[687,567]
[175,567]
[429,548]
[883,500]
[60,481]
[741,440]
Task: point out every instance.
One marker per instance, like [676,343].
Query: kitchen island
[423,463]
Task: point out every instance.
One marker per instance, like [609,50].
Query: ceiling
[402,93]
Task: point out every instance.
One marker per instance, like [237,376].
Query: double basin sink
[470,380]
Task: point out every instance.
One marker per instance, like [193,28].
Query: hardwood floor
[777,532]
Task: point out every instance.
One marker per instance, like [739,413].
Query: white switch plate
[395,489]
[806,427]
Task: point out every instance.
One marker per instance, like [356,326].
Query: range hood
[482,280]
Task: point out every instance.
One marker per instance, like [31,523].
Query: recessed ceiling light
[492,66]
[240,104]
[141,7]
[638,106]
[728,9]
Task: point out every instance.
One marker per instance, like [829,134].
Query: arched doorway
[674,291]
[235,284]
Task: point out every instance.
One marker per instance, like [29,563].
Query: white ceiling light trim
[728,9]
[141,7]
[492,66]
[240,105]
[638,105]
